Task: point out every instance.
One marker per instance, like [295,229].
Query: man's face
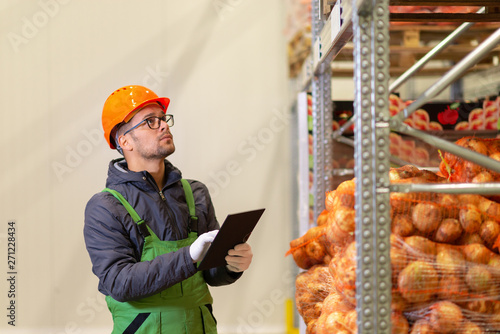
[151,144]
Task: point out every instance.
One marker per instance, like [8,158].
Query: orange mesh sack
[311,288]
[443,218]
[345,323]
[444,288]
[341,224]
[337,315]
[457,169]
[310,249]
[444,260]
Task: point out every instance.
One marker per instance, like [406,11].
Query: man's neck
[156,168]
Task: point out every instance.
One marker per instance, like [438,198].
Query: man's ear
[124,143]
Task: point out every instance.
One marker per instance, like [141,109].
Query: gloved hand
[199,247]
[239,258]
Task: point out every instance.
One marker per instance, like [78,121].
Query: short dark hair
[117,131]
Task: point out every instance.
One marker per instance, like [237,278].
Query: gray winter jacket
[114,242]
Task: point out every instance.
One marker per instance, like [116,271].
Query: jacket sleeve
[220,276]
[114,246]
[215,276]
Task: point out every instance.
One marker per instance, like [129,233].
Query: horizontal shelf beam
[450,53]
[449,188]
[436,29]
[395,71]
[444,17]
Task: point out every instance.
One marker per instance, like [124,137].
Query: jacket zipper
[163,199]
[145,178]
[162,196]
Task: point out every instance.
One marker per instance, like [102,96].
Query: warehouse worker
[146,232]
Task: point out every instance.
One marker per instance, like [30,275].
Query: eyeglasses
[154,122]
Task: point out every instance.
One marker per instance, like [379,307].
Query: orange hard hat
[122,105]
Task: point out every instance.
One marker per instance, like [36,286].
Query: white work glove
[199,247]
[239,258]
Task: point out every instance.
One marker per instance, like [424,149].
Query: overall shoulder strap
[190,202]
[135,216]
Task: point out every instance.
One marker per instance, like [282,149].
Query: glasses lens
[153,122]
[169,119]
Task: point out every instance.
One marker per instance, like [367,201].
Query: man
[146,232]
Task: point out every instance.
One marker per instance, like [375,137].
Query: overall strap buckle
[188,192]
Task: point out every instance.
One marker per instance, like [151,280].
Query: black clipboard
[236,230]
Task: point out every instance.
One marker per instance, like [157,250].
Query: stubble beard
[158,153]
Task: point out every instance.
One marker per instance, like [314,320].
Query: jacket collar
[118,173]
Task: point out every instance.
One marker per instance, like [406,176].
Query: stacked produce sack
[444,257]
[456,169]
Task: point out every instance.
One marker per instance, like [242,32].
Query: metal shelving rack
[366,22]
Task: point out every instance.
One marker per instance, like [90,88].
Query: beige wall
[223,64]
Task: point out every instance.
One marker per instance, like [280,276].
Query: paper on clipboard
[235,230]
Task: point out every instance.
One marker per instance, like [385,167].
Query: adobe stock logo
[30,27]
[155,77]
[74,155]
[248,150]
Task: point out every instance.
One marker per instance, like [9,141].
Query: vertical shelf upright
[371,153]
[322,119]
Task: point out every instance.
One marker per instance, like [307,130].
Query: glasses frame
[167,118]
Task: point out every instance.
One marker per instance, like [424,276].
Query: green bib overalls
[181,308]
